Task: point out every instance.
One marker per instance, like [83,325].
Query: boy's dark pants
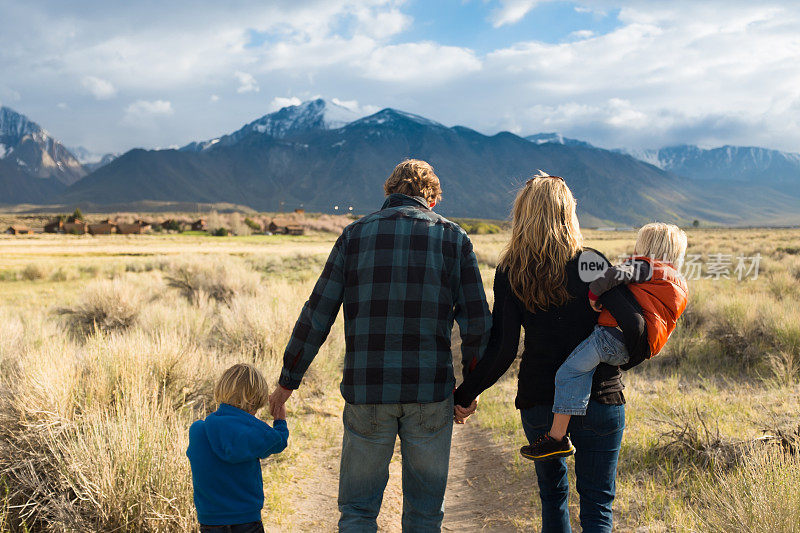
[251,527]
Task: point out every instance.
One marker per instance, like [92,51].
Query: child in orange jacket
[653,279]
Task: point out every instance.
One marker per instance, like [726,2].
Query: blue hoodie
[224,452]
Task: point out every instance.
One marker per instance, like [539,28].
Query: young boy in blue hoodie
[224,452]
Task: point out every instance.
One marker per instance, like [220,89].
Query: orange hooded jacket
[663,299]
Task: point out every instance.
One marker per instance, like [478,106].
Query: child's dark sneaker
[546,447]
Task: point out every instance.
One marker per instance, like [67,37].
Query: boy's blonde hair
[663,242]
[414,177]
[242,386]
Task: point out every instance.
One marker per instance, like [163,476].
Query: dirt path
[482,493]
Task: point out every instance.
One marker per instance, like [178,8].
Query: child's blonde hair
[663,242]
[242,386]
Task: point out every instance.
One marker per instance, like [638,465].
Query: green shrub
[253,225]
[171,225]
[483,228]
[478,227]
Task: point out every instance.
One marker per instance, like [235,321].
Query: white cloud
[144,112]
[100,88]
[353,105]
[214,98]
[9,94]
[581,34]
[512,11]
[423,64]
[247,83]
[666,75]
[279,102]
[379,23]
[698,72]
[62,105]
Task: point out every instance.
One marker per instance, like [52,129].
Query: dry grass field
[109,348]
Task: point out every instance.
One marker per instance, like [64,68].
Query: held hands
[277,402]
[596,305]
[462,413]
[280,413]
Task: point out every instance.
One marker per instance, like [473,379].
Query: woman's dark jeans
[597,438]
[251,527]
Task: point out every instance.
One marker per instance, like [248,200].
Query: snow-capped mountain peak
[14,126]
[739,163]
[393,116]
[34,151]
[311,115]
[555,138]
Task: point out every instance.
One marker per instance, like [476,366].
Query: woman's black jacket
[550,336]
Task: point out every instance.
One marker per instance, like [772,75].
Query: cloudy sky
[113,75]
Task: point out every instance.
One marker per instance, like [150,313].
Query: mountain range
[319,155]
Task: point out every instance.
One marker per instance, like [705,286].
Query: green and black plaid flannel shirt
[404,274]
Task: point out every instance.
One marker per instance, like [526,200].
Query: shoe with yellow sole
[546,447]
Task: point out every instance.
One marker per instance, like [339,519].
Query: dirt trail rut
[482,493]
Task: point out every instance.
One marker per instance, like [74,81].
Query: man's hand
[596,305]
[462,413]
[277,400]
[280,413]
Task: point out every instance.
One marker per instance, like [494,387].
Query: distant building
[282,226]
[103,228]
[277,226]
[199,225]
[295,229]
[132,229]
[145,225]
[75,228]
[300,211]
[19,230]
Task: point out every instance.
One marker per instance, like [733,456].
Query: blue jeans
[597,438]
[252,527]
[370,431]
[574,376]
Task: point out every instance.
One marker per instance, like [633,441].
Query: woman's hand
[462,413]
[596,305]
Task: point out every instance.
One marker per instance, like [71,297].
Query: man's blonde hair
[414,177]
[663,242]
[242,386]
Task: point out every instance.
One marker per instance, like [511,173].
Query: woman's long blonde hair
[545,235]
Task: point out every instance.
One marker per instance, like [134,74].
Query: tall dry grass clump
[252,326]
[93,430]
[33,272]
[93,437]
[105,306]
[217,280]
[761,495]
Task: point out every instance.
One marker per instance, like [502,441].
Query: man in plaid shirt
[404,274]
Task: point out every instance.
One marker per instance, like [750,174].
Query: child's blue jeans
[574,377]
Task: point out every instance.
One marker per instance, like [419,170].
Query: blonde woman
[538,286]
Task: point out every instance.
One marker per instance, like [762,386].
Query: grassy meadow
[110,346]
